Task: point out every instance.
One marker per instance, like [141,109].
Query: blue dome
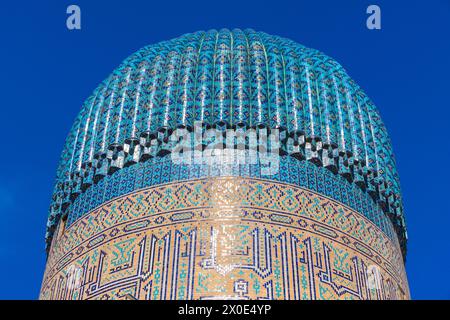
[231,78]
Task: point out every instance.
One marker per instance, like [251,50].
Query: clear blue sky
[47,71]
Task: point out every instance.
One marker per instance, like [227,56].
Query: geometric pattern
[162,170]
[228,79]
[224,238]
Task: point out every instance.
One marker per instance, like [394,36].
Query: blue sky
[47,71]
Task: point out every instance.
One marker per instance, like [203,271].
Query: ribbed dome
[230,78]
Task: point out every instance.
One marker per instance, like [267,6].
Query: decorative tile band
[161,170]
[155,147]
[224,237]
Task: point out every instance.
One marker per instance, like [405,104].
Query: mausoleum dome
[229,79]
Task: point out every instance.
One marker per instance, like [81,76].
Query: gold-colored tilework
[224,238]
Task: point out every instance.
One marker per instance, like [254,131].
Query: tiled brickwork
[224,237]
[227,79]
